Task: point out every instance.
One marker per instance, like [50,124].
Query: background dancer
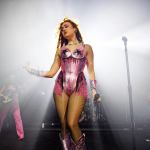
[10,104]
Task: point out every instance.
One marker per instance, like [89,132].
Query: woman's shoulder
[59,49]
[88,47]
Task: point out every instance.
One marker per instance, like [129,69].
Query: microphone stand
[130,95]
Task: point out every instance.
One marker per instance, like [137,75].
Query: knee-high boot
[80,145]
[66,142]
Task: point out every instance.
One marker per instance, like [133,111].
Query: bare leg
[61,102]
[75,108]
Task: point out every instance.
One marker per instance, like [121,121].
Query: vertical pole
[130,95]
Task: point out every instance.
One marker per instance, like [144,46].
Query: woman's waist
[72,73]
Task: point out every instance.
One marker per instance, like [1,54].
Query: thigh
[61,102]
[75,107]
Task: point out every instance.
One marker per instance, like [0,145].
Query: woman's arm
[91,72]
[90,61]
[48,74]
[54,68]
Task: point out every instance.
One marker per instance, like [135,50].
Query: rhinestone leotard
[71,77]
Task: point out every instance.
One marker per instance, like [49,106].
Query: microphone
[124,39]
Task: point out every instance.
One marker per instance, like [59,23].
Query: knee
[72,124]
[63,122]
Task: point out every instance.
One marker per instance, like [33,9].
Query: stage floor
[48,139]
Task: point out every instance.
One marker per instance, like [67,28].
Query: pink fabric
[71,78]
[12,107]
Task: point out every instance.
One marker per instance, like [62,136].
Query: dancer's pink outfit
[71,77]
[12,107]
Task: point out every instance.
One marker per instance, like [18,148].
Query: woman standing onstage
[70,91]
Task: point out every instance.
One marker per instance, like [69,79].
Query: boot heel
[66,143]
[81,143]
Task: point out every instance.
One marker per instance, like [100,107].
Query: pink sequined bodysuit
[71,77]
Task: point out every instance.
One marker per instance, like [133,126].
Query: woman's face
[67,30]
